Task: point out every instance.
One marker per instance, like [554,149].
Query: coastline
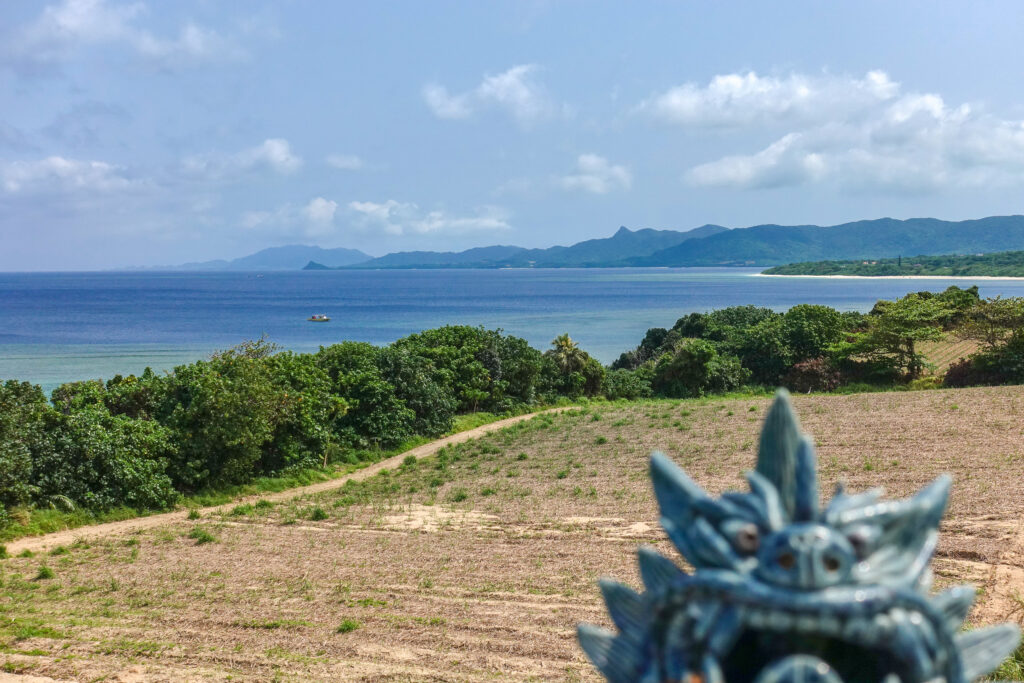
[897,277]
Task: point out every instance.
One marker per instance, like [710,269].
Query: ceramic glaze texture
[784,591]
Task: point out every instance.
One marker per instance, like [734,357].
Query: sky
[138,133]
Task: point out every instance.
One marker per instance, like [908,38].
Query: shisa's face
[785,591]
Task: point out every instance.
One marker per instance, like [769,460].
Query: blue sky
[144,133]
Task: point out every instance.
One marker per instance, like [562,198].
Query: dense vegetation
[254,411]
[998,264]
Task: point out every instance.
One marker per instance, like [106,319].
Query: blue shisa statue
[784,591]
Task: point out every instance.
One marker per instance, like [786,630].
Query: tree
[376,416]
[764,350]
[223,414]
[25,417]
[697,368]
[102,461]
[485,368]
[894,331]
[628,384]
[567,354]
[306,412]
[570,371]
[810,330]
[993,322]
[423,388]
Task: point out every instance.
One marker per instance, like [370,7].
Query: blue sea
[59,327]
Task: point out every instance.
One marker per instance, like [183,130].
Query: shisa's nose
[807,556]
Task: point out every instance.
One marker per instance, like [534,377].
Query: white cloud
[345,162]
[64,27]
[59,174]
[320,211]
[513,91]
[745,99]
[399,218]
[314,219]
[597,175]
[910,142]
[274,154]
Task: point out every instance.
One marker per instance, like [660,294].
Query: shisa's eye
[748,538]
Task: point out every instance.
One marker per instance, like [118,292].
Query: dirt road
[127,526]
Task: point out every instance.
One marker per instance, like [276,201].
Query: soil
[478,562]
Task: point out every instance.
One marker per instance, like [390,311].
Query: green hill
[769,245]
[608,251]
[997,264]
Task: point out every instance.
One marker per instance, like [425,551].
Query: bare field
[476,563]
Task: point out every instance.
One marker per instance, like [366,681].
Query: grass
[1012,669]
[201,535]
[40,521]
[347,626]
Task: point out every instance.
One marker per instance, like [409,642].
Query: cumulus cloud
[274,154]
[399,218]
[314,219]
[597,175]
[320,211]
[513,91]
[743,99]
[899,142]
[58,174]
[345,162]
[69,25]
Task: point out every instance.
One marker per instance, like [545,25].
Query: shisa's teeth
[806,623]
[757,618]
[829,625]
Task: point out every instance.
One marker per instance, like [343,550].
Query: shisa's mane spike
[786,458]
[980,648]
[656,571]
[954,604]
[806,480]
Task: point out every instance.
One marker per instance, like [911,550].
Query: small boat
[319,318]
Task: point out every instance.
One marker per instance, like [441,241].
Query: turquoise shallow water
[58,327]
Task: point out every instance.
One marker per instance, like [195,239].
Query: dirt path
[47,541]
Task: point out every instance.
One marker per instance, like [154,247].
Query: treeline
[998,264]
[143,442]
[817,348]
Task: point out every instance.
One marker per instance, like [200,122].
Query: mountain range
[290,257]
[708,245]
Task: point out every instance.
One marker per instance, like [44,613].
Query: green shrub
[347,626]
[201,535]
[696,369]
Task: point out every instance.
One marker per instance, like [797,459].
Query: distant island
[997,264]
[714,245]
[289,257]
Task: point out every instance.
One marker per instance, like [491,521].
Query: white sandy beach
[897,277]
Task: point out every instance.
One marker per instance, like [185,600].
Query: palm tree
[567,353]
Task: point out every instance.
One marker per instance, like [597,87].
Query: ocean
[60,327]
